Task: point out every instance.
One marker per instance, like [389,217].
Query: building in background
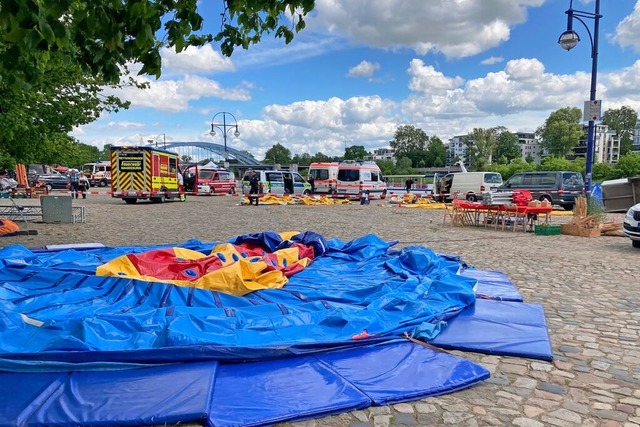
[530,146]
[457,149]
[636,138]
[606,145]
[382,154]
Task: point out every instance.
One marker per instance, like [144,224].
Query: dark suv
[558,187]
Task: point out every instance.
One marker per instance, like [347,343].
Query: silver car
[632,225]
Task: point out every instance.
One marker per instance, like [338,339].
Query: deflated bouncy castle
[261,329]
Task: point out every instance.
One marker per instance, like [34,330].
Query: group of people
[78,183]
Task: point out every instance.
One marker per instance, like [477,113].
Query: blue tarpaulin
[71,341]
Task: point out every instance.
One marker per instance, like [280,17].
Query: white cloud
[195,60]
[123,125]
[426,80]
[174,95]
[364,69]
[492,60]
[628,30]
[424,25]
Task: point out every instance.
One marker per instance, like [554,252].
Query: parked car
[558,187]
[51,181]
[632,225]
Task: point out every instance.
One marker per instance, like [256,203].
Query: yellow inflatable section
[231,269]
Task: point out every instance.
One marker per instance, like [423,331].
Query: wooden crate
[574,230]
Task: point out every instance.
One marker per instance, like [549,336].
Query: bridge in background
[200,150]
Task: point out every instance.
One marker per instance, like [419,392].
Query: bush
[628,166]
[602,171]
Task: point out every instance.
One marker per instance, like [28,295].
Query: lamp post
[224,127]
[568,40]
[164,140]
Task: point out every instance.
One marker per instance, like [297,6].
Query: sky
[362,68]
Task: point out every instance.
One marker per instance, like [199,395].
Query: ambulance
[97,173]
[140,173]
[358,176]
[325,176]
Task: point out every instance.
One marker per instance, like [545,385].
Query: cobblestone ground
[589,289]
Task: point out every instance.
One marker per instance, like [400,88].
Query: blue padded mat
[158,395]
[493,285]
[263,393]
[22,394]
[498,327]
[403,371]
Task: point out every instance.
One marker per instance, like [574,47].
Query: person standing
[408,184]
[254,187]
[181,186]
[74,182]
[313,183]
[83,185]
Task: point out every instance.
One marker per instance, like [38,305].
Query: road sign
[592,110]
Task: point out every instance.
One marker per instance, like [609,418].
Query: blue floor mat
[498,327]
[493,285]
[158,395]
[263,393]
[403,371]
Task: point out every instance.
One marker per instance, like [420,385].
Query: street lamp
[224,127]
[568,40]
[164,140]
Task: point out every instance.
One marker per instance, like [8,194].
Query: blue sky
[362,68]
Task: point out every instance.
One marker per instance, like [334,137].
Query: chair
[449,213]
[16,211]
[454,213]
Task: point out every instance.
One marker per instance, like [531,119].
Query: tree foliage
[34,123]
[556,163]
[355,152]
[507,147]
[622,121]
[561,131]
[480,146]
[627,166]
[410,142]
[436,153]
[106,35]
[278,154]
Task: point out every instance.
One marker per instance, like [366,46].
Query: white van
[325,176]
[278,183]
[357,176]
[465,185]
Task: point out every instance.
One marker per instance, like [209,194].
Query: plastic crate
[547,230]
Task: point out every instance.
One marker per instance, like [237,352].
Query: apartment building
[530,145]
[606,145]
[382,154]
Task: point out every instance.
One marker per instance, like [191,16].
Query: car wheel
[636,243]
[130,201]
[472,198]
[233,190]
[48,187]
[306,193]
[384,194]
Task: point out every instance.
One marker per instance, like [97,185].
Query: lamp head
[237,132]
[568,40]
[212,133]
